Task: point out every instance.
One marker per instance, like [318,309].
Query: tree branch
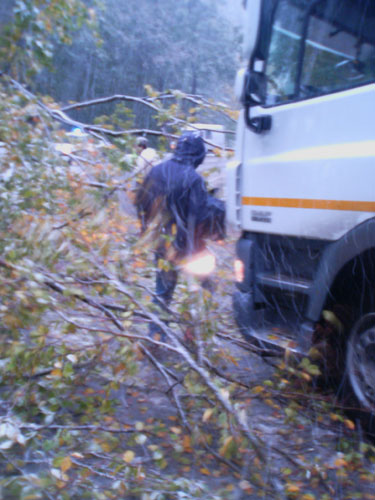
[256,443]
[61,116]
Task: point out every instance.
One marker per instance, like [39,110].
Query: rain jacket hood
[190,149]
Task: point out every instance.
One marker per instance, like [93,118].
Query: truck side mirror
[254,90]
[254,94]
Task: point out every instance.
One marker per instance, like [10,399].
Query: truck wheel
[360,367]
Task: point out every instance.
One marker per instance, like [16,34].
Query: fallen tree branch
[224,401]
[166,374]
[250,347]
[195,99]
[224,376]
[61,116]
[147,101]
[221,459]
[103,100]
[90,428]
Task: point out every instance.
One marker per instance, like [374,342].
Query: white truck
[301,187]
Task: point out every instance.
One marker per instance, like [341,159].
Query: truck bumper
[269,315]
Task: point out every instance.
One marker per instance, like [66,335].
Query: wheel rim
[361,361]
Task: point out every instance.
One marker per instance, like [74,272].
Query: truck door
[316,64]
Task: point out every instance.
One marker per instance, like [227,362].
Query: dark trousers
[165,284]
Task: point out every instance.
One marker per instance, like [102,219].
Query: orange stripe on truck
[352,206]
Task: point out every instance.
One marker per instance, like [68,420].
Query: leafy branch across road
[169,119]
[91,406]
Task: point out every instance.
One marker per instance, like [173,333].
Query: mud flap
[244,313]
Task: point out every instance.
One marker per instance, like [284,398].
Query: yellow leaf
[187,443]
[349,424]
[334,417]
[205,471]
[60,484]
[306,376]
[207,414]
[56,372]
[232,359]
[225,446]
[314,353]
[257,389]
[105,446]
[292,488]
[271,403]
[128,456]
[66,464]
[340,462]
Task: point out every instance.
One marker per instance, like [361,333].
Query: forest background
[76,51]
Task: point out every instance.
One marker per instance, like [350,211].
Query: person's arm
[206,214]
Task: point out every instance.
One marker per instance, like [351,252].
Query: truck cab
[301,185]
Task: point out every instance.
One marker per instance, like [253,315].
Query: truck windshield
[319,47]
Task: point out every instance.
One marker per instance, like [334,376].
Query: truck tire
[360,368]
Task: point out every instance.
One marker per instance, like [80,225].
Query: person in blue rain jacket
[175,195]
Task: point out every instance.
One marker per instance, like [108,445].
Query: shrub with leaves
[75,304]
[27,42]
